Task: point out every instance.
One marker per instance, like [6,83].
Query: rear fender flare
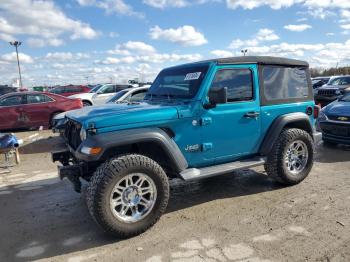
[295,120]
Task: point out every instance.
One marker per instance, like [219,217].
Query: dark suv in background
[334,89]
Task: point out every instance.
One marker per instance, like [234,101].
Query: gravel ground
[243,216]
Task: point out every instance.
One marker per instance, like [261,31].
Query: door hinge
[206,121]
[207,146]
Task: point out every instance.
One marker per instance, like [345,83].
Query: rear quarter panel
[271,112]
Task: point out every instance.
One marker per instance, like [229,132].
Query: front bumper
[72,172]
[335,131]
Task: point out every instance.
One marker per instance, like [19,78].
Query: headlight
[82,134]
[338,92]
[322,116]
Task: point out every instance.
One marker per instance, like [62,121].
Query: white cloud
[346,26]
[111,6]
[39,42]
[12,57]
[278,4]
[251,4]
[221,53]
[66,56]
[175,3]
[298,28]
[186,35]
[152,58]
[166,3]
[263,35]
[139,47]
[113,34]
[266,34]
[40,18]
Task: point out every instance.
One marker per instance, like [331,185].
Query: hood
[334,87]
[82,96]
[122,114]
[338,108]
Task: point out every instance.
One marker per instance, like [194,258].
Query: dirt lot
[237,217]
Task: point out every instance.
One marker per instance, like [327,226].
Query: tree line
[330,71]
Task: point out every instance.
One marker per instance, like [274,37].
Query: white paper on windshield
[192,76]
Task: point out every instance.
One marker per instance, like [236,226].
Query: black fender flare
[116,139]
[298,120]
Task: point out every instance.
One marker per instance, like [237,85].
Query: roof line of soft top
[264,60]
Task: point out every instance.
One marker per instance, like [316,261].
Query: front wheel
[291,158]
[127,195]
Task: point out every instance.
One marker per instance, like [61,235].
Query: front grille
[327,92]
[345,119]
[341,130]
[72,134]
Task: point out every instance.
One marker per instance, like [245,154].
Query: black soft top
[263,60]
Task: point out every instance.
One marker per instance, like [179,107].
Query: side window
[38,98]
[239,83]
[108,89]
[11,101]
[283,83]
[137,96]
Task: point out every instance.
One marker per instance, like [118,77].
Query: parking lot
[243,216]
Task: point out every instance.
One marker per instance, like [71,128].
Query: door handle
[252,115]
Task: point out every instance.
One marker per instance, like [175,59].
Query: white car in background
[128,95]
[100,94]
[133,94]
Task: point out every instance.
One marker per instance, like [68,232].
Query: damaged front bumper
[69,170]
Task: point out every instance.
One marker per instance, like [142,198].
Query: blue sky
[79,41]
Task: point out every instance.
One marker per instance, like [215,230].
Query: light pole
[244,51]
[16,44]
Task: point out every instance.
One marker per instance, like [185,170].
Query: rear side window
[37,99]
[239,83]
[285,83]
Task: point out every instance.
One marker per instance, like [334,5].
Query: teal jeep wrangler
[198,120]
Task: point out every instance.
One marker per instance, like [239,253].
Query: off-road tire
[274,165]
[102,183]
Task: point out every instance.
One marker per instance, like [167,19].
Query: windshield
[95,89]
[345,98]
[117,96]
[181,82]
[339,81]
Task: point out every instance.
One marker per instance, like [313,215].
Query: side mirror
[217,95]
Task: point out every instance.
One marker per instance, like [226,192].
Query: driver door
[232,130]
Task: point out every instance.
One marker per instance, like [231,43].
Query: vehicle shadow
[46,218]
[332,153]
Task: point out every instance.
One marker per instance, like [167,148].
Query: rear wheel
[127,195]
[291,158]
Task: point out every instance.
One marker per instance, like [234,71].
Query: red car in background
[69,90]
[33,109]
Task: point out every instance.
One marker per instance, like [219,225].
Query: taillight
[80,102]
[316,111]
